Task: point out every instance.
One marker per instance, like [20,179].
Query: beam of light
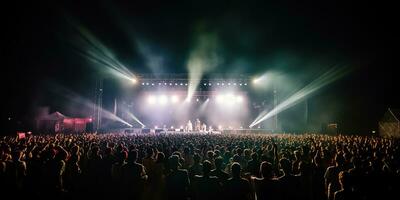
[135,118]
[203,106]
[88,46]
[162,100]
[202,59]
[73,97]
[151,99]
[328,77]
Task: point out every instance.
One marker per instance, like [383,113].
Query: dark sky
[254,37]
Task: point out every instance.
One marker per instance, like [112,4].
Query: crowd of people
[201,166]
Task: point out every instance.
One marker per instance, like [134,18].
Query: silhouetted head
[266,169]
[207,166]
[235,168]
[218,162]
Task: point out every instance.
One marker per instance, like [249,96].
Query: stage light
[181,127]
[197,100]
[176,83]
[147,83]
[151,99]
[209,84]
[159,83]
[229,83]
[208,99]
[165,83]
[155,127]
[220,98]
[239,99]
[174,99]
[219,127]
[205,84]
[181,84]
[256,80]
[234,83]
[240,84]
[172,127]
[222,84]
[241,127]
[185,84]
[152,84]
[163,100]
[170,83]
[142,83]
[217,83]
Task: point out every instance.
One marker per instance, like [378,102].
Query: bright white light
[209,84]
[165,83]
[155,127]
[185,84]
[152,84]
[163,99]
[151,99]
[172,127]
[197,100]
[147,83]
[159,83]
[222,84]
[240,84]
[181,84]
[181,127]
[170,83]
[217,83]
[229,83]
[239,99]
[142,83]
[219,127]
[134,80]
[174,99]
[256,80]
[220,98]
[245,84]
[234,83]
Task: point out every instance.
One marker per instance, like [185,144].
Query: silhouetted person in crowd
[266,187]
[218,172]
[237,188]
[197,167]
[133,176]
[206,187]
[177,181]
[346,193]
[289,183]
[253,166]
[332,176]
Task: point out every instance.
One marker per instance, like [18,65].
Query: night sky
[296,38]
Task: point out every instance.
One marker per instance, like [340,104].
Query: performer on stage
[197,125]
[189,126]
[204,127]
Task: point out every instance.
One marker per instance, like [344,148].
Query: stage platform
[180,131]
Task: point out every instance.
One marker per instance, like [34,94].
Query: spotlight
[151,99]
[165,83]
[197,100]
[185,84]
[159,83]
[174,99]
[134,80]
[176,83]
[209,84]
[163,100]
[217,83]
[219,127]
[142,83]
[147,83]
[229,83]
[172,127]
[234,83]
[222,84]
[205,84]
[181,127]
[240,84]
[245,83]
[239,99]
[181,84]
[170,83]
[220,99]
[152,84]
